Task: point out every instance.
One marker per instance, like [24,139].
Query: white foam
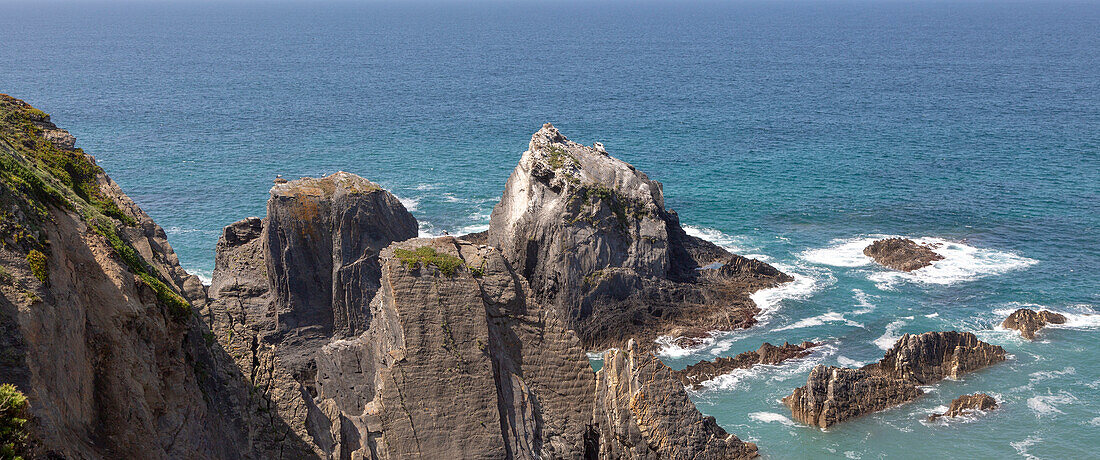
[450,198]
[594,356]
[802,287]
[473,229]
[888,339]
[423,187]
[845,361]
[771,417]
[1095,421]
[409,203]
[863,301]
[1045,405]
[1048,375]
[731,243]
[669,349]
[830,317]
[961,262]
[204,275]
[773,372]
[1021,446]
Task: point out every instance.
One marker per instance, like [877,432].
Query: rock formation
[1028,322]
[695,374]
[593,236]
[832,394]
[965,404]
[643,412]
[902,254]
[96,323]
[285,286]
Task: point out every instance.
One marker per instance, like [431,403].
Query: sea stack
[902,254]
[594,238]
[966,404]
[1028,322]
[833,394]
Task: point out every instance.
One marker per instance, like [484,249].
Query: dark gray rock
[902,254]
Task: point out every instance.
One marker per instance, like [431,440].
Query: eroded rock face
[695,374]
[285,286]
[832,394]
[902,254]
[965,404]
[1028,322]
[643,412]
[592,234]
[464,365]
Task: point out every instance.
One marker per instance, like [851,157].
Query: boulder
[594,238]
[832,394]
[643,412]
[965,404]
[1028,322]
[902,254]
[694,375]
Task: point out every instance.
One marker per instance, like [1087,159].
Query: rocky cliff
[96,315]
[593,236]
[643,412]
[832,394]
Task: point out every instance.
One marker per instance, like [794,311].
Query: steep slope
[593,236]
[96,323]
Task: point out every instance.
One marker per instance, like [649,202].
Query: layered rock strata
[593,236]
[1028,322]
[832,394]
[966,404]
[902,254]
[694,375]
[643,412]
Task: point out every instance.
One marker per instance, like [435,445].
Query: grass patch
[424,256]
[13,422]
[557,157]
[38,261]
[179,308]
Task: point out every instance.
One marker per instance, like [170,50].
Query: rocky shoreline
[330,330]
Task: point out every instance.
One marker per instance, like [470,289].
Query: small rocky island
[834,394]
[966,404]
[1028,321]
[902,254]
[694,375]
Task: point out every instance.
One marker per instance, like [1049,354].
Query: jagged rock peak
[832,394]
[1028,321]
[643,412]
[592,235]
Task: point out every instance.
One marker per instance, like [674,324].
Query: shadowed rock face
[834,394]
[1028,322]
[901,254]
[643,412]
[592,234]
[967,403]
[695,374]
[285,286]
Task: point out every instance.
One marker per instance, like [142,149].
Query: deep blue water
[788,130]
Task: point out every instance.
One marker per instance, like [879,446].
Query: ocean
[791,131]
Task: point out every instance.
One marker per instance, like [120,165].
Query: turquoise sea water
[792,131]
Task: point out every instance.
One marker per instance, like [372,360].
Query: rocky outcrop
[1028,322]
[967,403]
[695,374]
[643,412]
[458,362]
[832,394]
[593,236]
[902,254]
[285,286]
[96,323]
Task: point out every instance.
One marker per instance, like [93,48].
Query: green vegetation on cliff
[13,421]
[424,255]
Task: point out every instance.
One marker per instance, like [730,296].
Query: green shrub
[424,255]
[179,308]
[13,421]
[38,261]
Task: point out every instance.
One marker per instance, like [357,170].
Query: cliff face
[592,234]
[96,314]
[285,286]
[643,412]
[833,394]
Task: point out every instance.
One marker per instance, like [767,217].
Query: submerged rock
[902,254]
[643,412]
[695,374]
[1028,322]
[593,236]
[965,404]
[832,394]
